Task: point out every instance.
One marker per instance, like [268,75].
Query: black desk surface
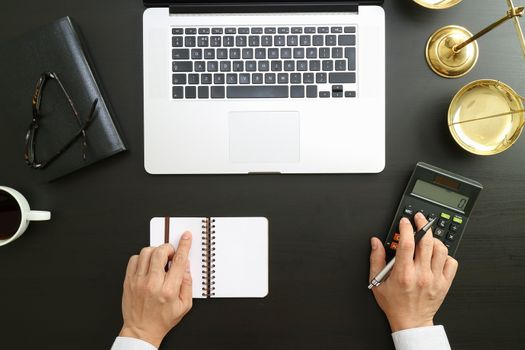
[60,285]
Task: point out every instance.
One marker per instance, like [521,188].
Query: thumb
[377,257]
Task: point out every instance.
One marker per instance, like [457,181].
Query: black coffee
[10,215]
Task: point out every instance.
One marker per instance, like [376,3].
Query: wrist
[400,325]
[138,333]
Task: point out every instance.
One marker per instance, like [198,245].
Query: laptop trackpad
[264,137]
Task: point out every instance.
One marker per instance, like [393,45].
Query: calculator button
[396,237]
[409,211]
[451,236]
[454,227]
[431,217]
[442,223]
[393,245]
[458,219]
[440,233]
[445,216]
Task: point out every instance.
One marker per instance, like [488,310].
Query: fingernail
[186,235]
[374,244]
[405,221]
[420,216]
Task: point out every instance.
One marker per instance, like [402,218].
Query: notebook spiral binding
[208,257]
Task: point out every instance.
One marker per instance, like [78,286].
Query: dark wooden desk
[60,285]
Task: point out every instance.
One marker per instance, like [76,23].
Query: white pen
[386,270]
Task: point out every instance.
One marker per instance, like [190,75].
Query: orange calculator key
[393,245]
[396,237]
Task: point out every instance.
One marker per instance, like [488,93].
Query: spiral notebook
[228,256]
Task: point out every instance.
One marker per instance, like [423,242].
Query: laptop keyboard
[264,62]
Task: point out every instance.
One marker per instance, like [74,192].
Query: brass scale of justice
[486,117]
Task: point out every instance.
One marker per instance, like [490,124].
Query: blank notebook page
[241,257]
[177,226]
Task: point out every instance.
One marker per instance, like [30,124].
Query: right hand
[417,286]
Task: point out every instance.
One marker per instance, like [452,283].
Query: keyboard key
[340,65]
[247,54]
[244,78]
[251,66]
[226,66]
[302,66]
[282,78]
[298,52]
[283,30]
[309,30]
[292,40]
[289,66]
[260,54]
[331,40]
[279,40]
[235,54]
[209,54]
[204,31]
[200,66]
[266,40]
[180,54]
[216,31]
[321,78]
[179,79]
[297,91]
[308,78]
[222,54]
[337,52]
[254,41]
[202,41]
[177,31]
[311,52]
[217,92]
[241,40]
[203,92]
[277,66]
[182,66]
[315,65]
[350,94]
[178,92]
[347,40]
[337,94]
[213,66]
[257,30]
[191,31]
[324,94]
[231,31]
[324,52]
[196,54]
[295,78]
[305,40]
[219,79]
[323,30]
[257,91]
[342,78]
[244,30]
[190,41]
[238,66]
[336,30]
[264,66]
[349,29]
[191,92]
[270,30]
[177,41]
[231,78]
[257,78]
[206,79]
[270,78]
[273,53]
[311,91]
[350,55]
[338,88]
[229,41]
[297,30]
[328,65]
[286,53]
[193,79]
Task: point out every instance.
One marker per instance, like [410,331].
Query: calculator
[436,193]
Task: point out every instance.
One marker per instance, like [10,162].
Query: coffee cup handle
[38,215]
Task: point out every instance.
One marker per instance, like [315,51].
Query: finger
[160,257]
[439,257]
[186,289]
[425,246]
[405,249]
[450,268]
[377,257]
[143,262]
[132,265]
[178,264]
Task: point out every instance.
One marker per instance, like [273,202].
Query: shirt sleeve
[125,343]
[428,338]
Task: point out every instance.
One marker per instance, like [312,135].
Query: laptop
[240,87]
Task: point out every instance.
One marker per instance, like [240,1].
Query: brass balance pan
[498,113]
[437,4]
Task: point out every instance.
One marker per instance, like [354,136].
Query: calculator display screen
[440,195]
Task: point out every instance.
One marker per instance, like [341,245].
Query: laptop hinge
[267,7]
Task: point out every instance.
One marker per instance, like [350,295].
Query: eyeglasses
[30,147]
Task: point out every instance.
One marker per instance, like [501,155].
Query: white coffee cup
[26,215]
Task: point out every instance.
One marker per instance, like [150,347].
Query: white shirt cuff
[423,338]
[125,343]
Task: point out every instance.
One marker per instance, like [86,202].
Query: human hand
[155,301]
[417,286]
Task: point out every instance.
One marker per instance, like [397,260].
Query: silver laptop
[237,87]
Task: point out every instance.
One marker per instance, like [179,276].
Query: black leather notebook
[56,48]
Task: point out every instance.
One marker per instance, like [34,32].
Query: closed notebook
[228,256]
